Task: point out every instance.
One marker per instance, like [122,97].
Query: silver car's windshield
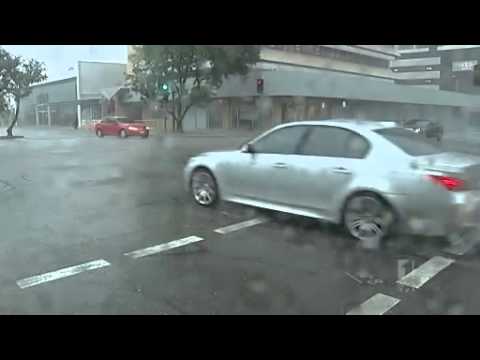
[410,142]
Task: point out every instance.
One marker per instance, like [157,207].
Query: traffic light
[260,84]
[166,91]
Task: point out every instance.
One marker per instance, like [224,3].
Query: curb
[12,137]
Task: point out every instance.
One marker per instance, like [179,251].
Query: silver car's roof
[351,124]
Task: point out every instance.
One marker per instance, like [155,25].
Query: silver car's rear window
[411,143]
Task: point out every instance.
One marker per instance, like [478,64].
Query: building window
[407,48]
[42,98]
[464,65]
[330,53]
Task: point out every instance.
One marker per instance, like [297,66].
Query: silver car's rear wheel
[204,188]
[367,218]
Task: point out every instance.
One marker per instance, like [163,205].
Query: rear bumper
[456,213]
[137,132]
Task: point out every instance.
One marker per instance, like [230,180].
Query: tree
[17,75]
[5,70]
[180,76]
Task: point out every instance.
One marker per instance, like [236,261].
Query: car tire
[99,132]
[203,188]
[368,218]
[146,135]
[123,134]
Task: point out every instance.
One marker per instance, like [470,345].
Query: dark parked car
[427,128]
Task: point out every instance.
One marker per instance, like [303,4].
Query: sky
[61,60]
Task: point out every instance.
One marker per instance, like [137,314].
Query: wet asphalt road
[69,198]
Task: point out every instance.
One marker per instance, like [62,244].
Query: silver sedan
[371,177]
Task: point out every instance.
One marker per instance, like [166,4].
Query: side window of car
[335,142]
[356,147]
[282,141]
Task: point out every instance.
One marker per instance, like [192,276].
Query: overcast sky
[61,60]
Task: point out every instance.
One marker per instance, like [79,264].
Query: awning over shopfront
[109,93]
[328,84]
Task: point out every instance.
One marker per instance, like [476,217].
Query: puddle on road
[6,186]
[378,266]
[261,294]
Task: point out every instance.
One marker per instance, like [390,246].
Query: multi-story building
[364,60]
[441,67]
[333,81]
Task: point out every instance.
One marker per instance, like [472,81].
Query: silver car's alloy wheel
[367,218]
[204,189]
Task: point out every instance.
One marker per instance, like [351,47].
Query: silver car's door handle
[280,165]
[341,170]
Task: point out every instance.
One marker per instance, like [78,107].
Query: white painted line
[378,304]
[418,277]
[163,247]
[62,273]
[239,226]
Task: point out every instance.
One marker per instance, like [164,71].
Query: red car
[121,126]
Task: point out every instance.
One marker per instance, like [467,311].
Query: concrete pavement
[73,208]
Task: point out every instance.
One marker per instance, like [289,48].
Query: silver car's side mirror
[247,148]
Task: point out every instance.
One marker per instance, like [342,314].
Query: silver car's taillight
[448,182]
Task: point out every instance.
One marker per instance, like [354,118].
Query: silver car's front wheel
[367,218]
[204,188]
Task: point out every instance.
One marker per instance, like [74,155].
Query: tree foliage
[17,75]
[191,72]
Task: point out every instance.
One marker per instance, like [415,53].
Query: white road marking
[239,226]
[378,304]
[163,247]
[418,277]
[62,273]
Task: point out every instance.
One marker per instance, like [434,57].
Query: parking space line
[418,277]
[62,273]
[378,304]
[163,247]
[239,226]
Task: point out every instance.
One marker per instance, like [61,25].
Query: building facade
[98,90]
[317,82]
[362,60]
[440,67]
[50,104]
[101,86]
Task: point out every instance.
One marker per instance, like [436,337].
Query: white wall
[95,76]
[196,118]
